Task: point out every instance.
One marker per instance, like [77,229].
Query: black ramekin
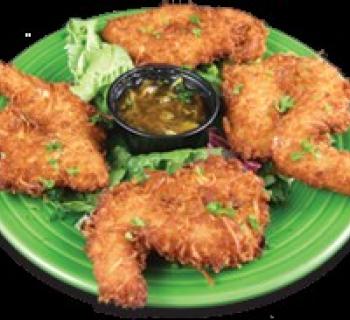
[143,142]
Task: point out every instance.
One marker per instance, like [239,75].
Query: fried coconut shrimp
[210,214]
[285,107]
[46,138]
[251,94]
[302,145]
[188,35]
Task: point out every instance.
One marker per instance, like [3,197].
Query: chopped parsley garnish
[129,236]
[237,89]
[285,104]
[197,32]
[183,94]
[178,81]
[53,146]
[146,29]
[270,73]
[253,222]
[216,208]
[328,108]
[157,34]
[199,171]
[47,183]
[307,148]
[150,30]
[195,19]
[53,163]
[73,171]
[296,156]
[138,222]
[2,155]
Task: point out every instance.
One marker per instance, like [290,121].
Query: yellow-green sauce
[163,108]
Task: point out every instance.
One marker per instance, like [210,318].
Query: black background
[323,26]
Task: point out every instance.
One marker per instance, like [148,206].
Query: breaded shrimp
[46,137]
[210,214]
[296,140]
[188,35]
[301,146]
[251,93]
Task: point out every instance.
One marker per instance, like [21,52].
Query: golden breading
[188,35]
[169,214]
[253,92]
[255,128]
[46,135]
[301,146]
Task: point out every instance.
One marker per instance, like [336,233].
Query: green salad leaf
[126,166]
[276,184]
[169,161]
[93,63]
[118,157]
[67,201]
[211,73]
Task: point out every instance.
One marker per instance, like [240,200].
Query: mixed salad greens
[125,166]
[94,65]
[132,167]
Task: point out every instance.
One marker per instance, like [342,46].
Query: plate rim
[291,277]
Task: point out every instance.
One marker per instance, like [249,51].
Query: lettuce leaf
[93,63]
[276,184]
[211,73]
[66,201]
[126,166]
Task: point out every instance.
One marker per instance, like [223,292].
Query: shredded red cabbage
[216,140]
[252,165]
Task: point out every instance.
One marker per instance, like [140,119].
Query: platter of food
[180,156]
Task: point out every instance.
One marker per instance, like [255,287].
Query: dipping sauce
[162,107]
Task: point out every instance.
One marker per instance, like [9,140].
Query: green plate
[302,234]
